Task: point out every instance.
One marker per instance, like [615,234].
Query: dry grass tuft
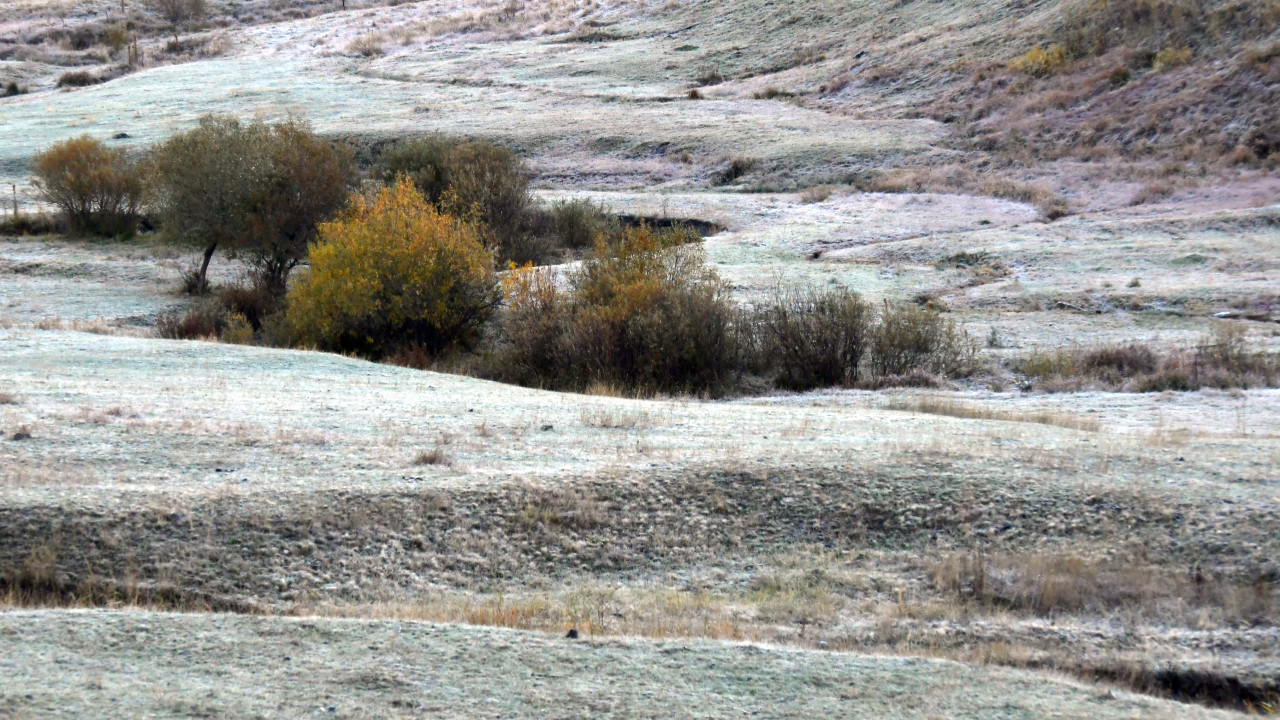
[816,194]
[369,46]
[611,418]
[1049,584]
[561,508]
[934,405]
[434,456]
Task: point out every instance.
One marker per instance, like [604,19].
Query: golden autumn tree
[393,273]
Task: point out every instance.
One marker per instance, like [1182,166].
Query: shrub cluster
[1222,359]
[77,78]
[646,314]
[408,273]
[815,338]
[99,190]
[475,180]
[488,183]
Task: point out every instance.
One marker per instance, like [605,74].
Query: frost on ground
[127,664]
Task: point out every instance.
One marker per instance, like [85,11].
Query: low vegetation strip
[276,549]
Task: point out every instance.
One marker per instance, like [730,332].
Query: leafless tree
[178,12]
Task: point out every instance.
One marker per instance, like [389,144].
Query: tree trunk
[204,266]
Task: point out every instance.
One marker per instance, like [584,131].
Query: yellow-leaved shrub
[392,273]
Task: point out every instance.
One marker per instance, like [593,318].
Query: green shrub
[390,273]
[98,189]
[494,182]
[815,338]
[909,337]
[308,179]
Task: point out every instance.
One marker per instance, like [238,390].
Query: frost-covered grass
[242,666]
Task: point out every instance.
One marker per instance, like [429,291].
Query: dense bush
[815,338]
[203,179]
[77,78]
[491,179]
[205,320]
[253,298]
[475,180]
[98,190]
[645,313]
[253,187]
[391,273]
[579,222]
[909,337]
[424,161]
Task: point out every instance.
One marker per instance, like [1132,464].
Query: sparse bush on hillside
[737,167]
[1039,61]
[178,12]
[1172,57]
[391,273]
[12,88]
[709,75]
[645,312]
[367,46]
[815,338]
[253,187]
[98,190]
[1149,25]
